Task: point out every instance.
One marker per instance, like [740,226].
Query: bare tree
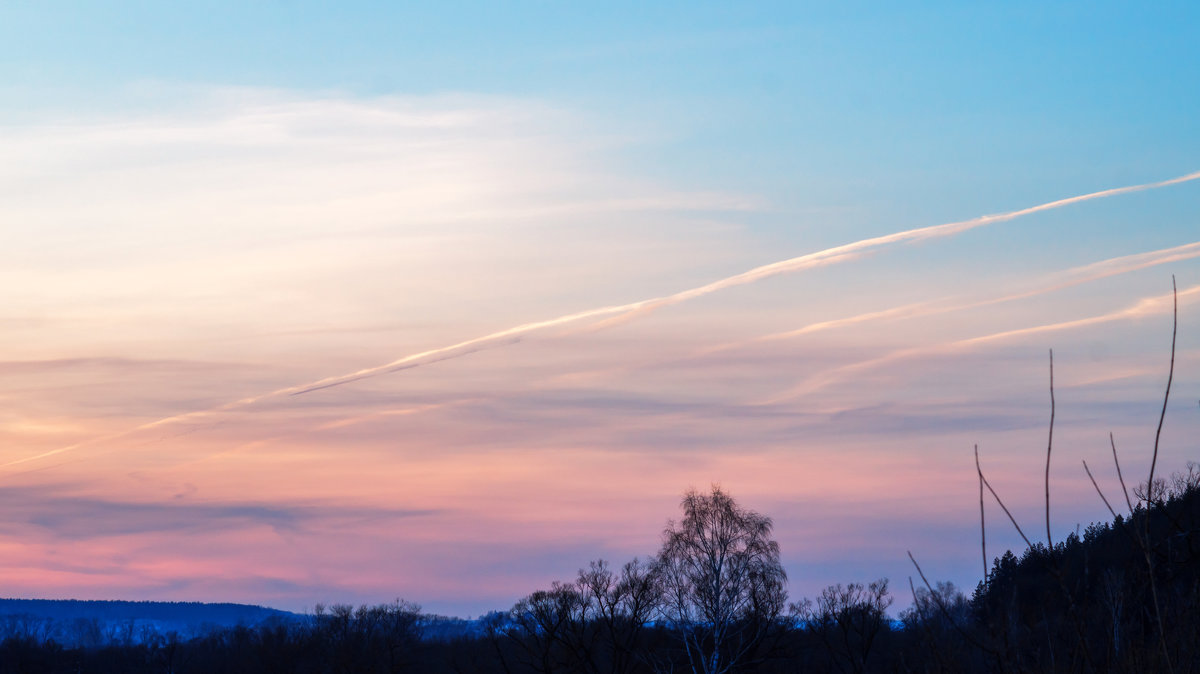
[623,602]
[723,585]
[848,619]
[552,630]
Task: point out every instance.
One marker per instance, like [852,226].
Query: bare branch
[1167,396]
[1049,446]
[1089,474]
[1120,477]
[982,528]
[1150,483]
[1005,509]
[945,611]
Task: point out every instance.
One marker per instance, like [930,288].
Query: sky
[308,303]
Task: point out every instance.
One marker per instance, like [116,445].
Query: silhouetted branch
[982,528]
[1124,489]
[1005,509]
[946,612]
[1106,505]
[1162,640]
[1167,396]
[1049,446]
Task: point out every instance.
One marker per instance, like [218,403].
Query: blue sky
[929,87]
[211,203]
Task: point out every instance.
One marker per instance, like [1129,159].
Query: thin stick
[1050,446]
[1089,474]
[1124,490]
[1132,532]
[1162,639]
[982,528]
[946,612]
[1005,509]
[1167,396]
[913,588]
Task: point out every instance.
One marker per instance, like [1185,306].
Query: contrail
[633,310]
[795,264]
[1071,277]
[1144,307]
[1058,281]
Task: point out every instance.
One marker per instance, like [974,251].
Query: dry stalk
[1005,509]
[1050,446]
[1106,505]
[1120,477]
[982,527]
[1162,639]
[946,613]
[1170,375]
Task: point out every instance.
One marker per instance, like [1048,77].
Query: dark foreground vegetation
[713,600]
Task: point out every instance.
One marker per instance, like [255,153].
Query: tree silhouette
[723,585]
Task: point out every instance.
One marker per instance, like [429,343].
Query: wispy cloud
[1145,307]
[1053,283]
[632,310]
[1061,281]
[832,255]
[71,516]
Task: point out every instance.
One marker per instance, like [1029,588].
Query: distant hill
[174,611]
[74,622]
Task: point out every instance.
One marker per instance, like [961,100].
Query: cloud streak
[631,310]
[1144,307]
[1070,278]
[76,517]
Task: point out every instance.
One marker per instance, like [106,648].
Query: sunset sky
[309,302]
